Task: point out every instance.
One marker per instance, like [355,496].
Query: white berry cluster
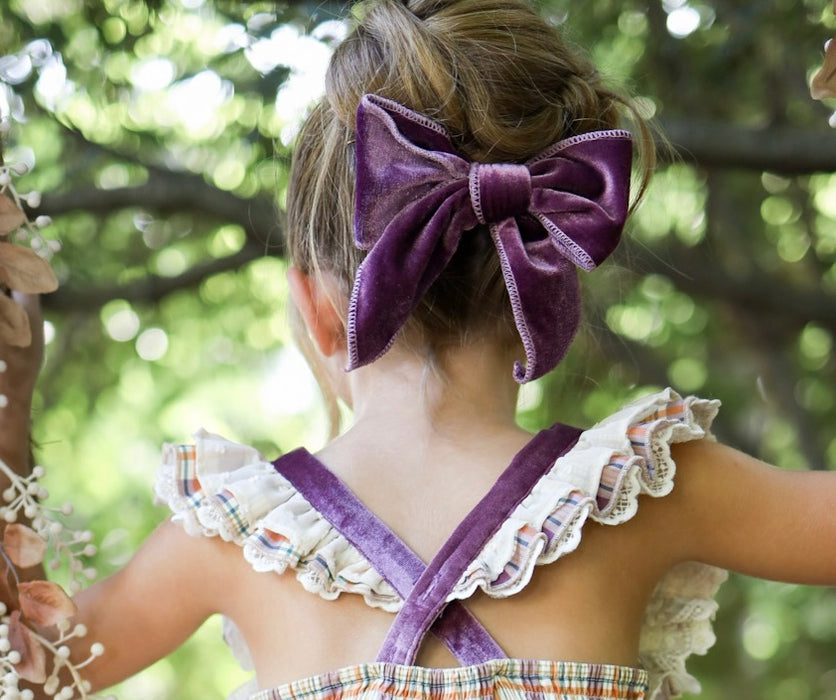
[27,651]
[24,265]
[25,497]
[74,688]
[31,230]
[66,545]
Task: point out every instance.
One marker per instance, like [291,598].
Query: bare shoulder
[206,566]
[172,565]
[174,577]
[735,511]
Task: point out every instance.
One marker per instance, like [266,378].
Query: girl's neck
[424,449]
[401,393]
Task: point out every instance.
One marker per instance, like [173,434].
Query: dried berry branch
[36,631]
[23,253]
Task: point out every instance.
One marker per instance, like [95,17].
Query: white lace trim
[217,487]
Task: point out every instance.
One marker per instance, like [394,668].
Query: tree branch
[707,143]
[791,151]
[167,191]
[149,289]
[652,370]
[697,274]
[770,346]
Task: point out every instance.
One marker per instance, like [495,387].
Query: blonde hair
[503,83]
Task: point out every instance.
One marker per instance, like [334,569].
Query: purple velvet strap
[428,598]
[417,196]
[461,633]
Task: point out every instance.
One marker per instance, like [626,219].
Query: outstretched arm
[739,513]
[170,586]
[150,607]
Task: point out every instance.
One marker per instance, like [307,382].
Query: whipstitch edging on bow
[416,195]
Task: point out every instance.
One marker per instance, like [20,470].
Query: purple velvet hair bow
[416,197]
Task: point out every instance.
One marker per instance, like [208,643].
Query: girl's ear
[316,306]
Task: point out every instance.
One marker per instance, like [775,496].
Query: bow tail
[372,324]
[400,268]
[545,298]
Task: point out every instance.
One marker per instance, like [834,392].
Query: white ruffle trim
[677,623]
[620,458]
[216,487]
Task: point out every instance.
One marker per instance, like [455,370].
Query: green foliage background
[172,314]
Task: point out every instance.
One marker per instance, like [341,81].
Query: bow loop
[499,191]
[416,196]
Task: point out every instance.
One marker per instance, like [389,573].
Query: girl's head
[505,86]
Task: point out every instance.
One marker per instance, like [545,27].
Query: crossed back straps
[425,588]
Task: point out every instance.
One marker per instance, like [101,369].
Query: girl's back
[589,606]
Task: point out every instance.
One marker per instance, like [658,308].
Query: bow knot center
[499,191]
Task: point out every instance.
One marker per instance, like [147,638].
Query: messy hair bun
[505,86]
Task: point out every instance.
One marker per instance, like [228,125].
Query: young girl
[462,165]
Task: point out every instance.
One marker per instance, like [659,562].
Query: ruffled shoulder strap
[620,458]
[216,487]
[679,616]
